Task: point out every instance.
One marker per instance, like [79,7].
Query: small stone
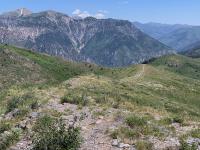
[192,141]
[71,124]
[132,147]
[122,145]
[98,121]
[84,128]
[101,117]
[34,115]
[115,142]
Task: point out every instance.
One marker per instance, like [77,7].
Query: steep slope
[157,30]
[195,53]
[20,66]
[175,36]
[192,50]
[119,42]
[181,38]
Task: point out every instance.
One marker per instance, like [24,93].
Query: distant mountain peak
[18,13]
[52,13]
[23,11]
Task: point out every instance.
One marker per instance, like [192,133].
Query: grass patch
[135,121]
[75,99]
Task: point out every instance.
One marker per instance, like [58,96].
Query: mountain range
[177,36]
[107,42]
[193,50]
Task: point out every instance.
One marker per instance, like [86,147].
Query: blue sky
[163,11]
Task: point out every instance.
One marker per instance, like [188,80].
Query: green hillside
[163,92]
[194,53]
[179,64]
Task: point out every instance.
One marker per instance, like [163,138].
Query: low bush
[51,134]
[178,119]
[12,104]
[21,112]
[144,145]
[74,99]
[22,101]
[9,138]
[101,99]
[166,121]
[114,134]
[34,105]
[4,126]
[135,121]
[195,133]
[129,133]
[186,146]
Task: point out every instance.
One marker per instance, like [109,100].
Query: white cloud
[99,15]
[79,13]
[83,14]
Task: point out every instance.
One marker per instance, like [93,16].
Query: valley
[178,36]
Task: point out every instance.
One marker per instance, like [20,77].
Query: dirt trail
[140,73]
[93,128]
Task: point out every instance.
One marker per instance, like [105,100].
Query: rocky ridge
[107,42]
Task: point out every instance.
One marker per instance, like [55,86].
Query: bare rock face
[107,42]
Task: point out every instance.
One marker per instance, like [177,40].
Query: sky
[162,11]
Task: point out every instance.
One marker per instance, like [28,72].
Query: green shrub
[101,99]
[129,133]
[173,107]
[178,119]
[25,100]
[7,139]
[51,134]
[69,99]
[143,145]
[21,112]
[34,105]
[135,121]
[74,99]
[114,134]
[166,121]
[195,133]
[185,146]
[12,104]
[4,126]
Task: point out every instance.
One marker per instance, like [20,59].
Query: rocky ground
[95,123]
